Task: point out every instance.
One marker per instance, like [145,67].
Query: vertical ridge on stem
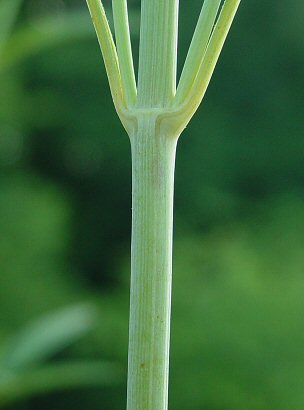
[157,52]
[198,47]
[153,158]
[124,49]
[108,50]
[185,109]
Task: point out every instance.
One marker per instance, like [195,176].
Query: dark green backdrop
[65,208]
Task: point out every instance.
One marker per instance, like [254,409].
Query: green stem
[124,49]
[153,158]
[153,123]
[157,53]
[197,48]
[187,108]
[108,50]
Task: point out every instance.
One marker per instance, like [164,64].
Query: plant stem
[153,159]
[153,118]
[209,61]
[197,48]
[108,50]
[124,49]
[157,52]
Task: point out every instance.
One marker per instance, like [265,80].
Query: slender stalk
[153,124]
[153,158]
[108,50]
[187,108]
[124,49]
[197,48]
[157,52]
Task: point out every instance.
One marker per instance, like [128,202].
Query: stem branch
[157,52]
[124,49]
[214,48]
[108,50]
[197,48]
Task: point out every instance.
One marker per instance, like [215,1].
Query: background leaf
[8,14]
[56,377]
[47,336]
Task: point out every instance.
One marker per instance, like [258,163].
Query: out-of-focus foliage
[65,208]
[23,372]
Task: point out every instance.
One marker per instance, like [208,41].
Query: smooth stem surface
[108,50]
[198,47]
[153,119]
[215,45]
[157,52]
[153,158]
[124,49]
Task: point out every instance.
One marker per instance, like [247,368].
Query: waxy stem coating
[154,113]
[156,89]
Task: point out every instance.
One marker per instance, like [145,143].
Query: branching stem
[108,50]
[197,48]
[154,117]
[157,53]
[186,108]
[124,50]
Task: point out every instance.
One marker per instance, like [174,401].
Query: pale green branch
[187,108]
[197,48]
[158,117]
[157,53]
[124,50]
[108,50]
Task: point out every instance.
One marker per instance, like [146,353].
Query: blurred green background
[65,208]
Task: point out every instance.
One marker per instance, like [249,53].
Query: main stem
[157,53]
[153,159]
